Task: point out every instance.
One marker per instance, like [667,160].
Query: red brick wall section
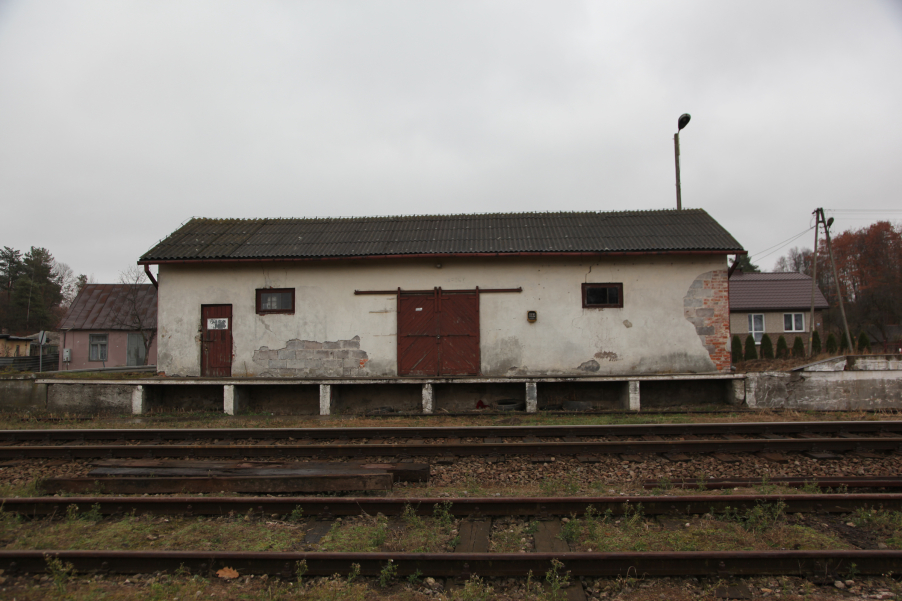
[707,306]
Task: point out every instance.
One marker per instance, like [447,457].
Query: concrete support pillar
[138,398]
[228,399]
[532,398]
[737,392]
[325,399]
[427,398]
[630,399]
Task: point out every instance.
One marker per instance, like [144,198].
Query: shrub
[736,349]
[798,348]
[830,347]
[782,348]
[767,347]
[815,343]
[864,343]
[751,353]
[844,344]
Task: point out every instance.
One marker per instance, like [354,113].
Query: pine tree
[767,347]
[782,348]
[798,348]
[864,343]
[831,344]
[844,344]
[736,349]
[815,344]
[751,353]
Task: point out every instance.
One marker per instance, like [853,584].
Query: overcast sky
[120,120]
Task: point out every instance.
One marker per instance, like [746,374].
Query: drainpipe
[150,275]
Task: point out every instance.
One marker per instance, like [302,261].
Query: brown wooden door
[216,352]
[438,334]
[458,334]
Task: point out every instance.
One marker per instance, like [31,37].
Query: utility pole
[817,222]
[842,309]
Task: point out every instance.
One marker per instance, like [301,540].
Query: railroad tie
[474,536]
[548,540]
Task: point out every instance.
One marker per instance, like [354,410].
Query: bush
[864,343]
[798,348]
[831,344]
[736,349]
[751,353]
[815,344]
[767,347]
[844,344]
[782,348]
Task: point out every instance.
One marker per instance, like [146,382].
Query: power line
[780,245]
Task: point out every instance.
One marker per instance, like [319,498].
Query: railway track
[454,441]
[326,508]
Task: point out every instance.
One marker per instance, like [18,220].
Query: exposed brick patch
[309,358]
[707,306]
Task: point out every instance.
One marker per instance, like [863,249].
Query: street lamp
[682,122]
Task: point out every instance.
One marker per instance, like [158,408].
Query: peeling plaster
[310,358]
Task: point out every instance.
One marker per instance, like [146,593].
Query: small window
[793,322]
[275,300]
[97,347]
[602,295]
[756,326]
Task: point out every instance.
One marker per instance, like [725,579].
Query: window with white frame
[756,326]
[793,322]
[97,347]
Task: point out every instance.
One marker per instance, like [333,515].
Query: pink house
[110,325]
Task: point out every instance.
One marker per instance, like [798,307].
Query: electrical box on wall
[67,355]
[531,316]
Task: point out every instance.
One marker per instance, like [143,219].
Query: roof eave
[444,255]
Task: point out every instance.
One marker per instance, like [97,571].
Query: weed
[556,486]
[389,571]
[557,582]
[60,572]
[354,573]
[759,518]
[442,513]
[94,515]
[300,569]
[853,572]
[72,513]
[474,590]
[297,514]
[570,530]
[811,487]
[701,481]
[410,518]
[532,527]
[633,516]
[664,485]
[415,577]
[765,488]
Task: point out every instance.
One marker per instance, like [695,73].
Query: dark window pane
[613,296]
[286,301]
[596,296]
[787,322]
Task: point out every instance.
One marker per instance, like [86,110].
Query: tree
[796,260]
[134,315]
[745,265]
[11,267]
[782,348]
[798,348]
[830,346]
[767,347]
[864,343]
[815,344]
[751,352]
[736,349]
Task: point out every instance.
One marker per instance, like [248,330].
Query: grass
[761,528]
[411,533]
[887,525]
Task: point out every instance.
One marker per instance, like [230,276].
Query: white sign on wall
[218,323]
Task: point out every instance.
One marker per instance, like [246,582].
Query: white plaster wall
[648,335]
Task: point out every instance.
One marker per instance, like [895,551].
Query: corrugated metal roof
[773,292]
[112,307]
[630,231]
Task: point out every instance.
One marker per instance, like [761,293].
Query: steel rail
[456,449]
[793,481]
[556,431]
[329,507]
[823,564]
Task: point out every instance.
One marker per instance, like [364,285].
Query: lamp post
[682,122]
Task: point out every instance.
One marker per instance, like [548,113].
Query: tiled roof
[642,231]
[773,292]
[112,307]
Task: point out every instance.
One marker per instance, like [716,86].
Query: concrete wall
[117,345]
[22,394]
[825,390]
[89,398]
[659,329]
